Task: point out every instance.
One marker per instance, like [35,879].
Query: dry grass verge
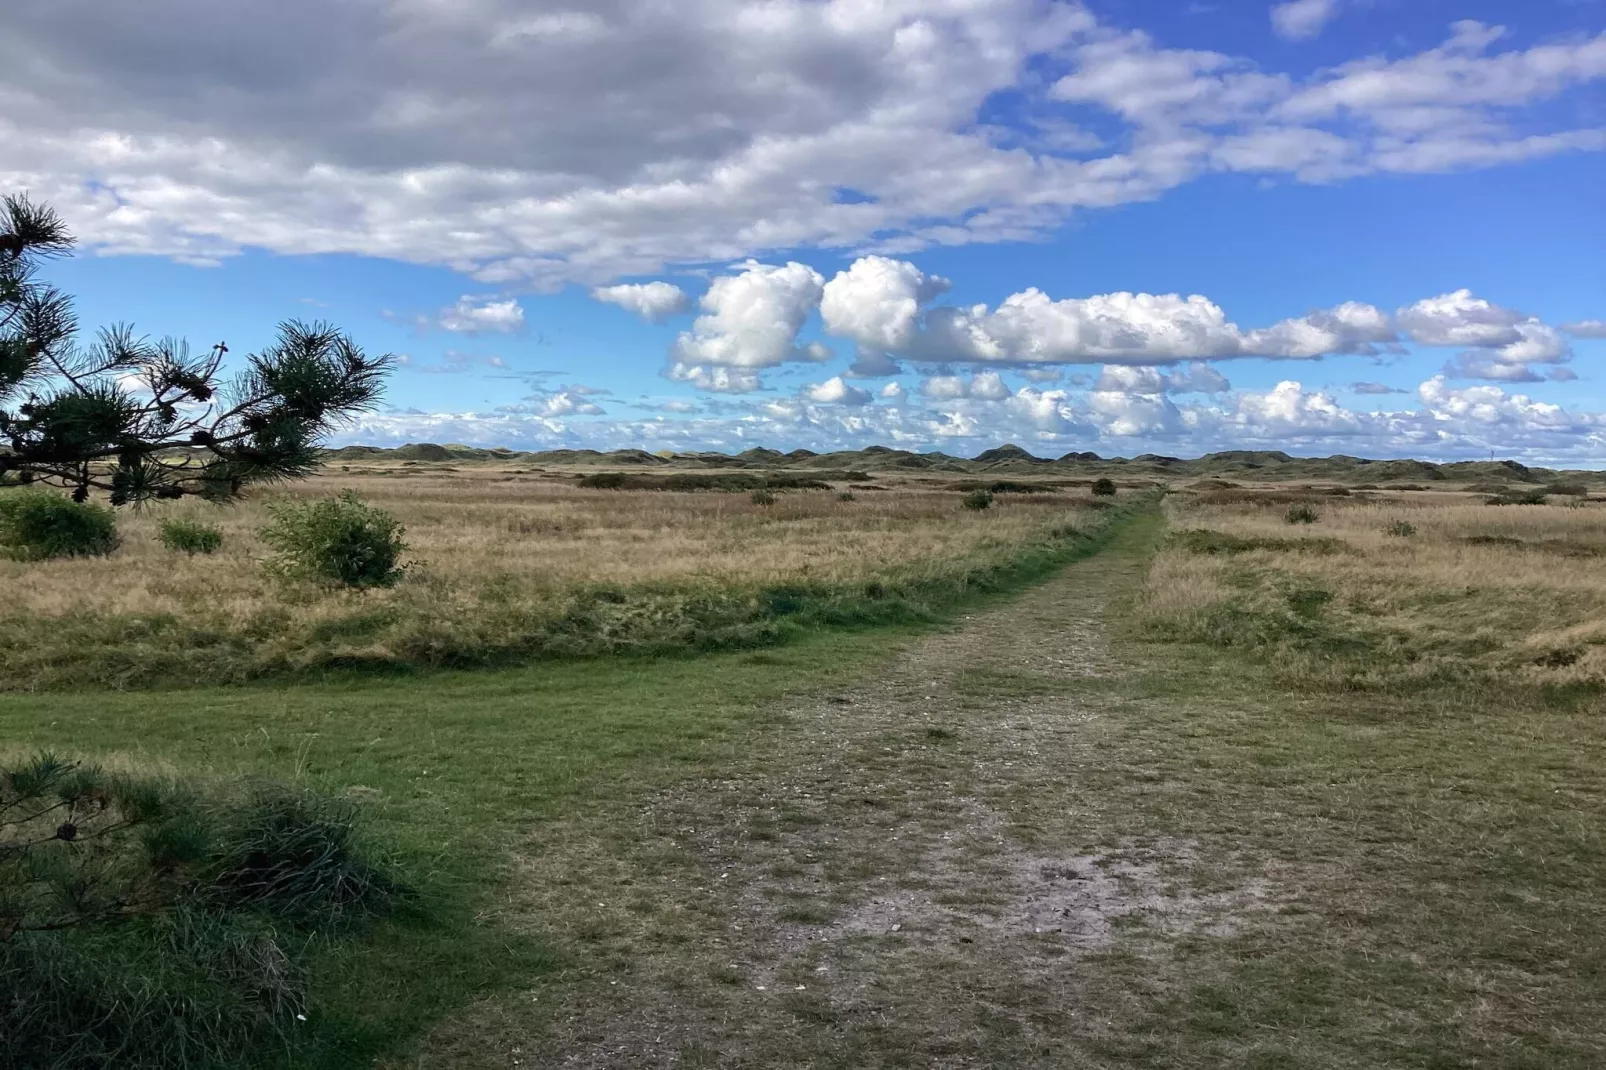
[1406,591]
[507,564]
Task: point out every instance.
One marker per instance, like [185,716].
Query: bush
[36,524]
[762,496]
[845,496]
[191,536]
[1518,497]
[604,481]
[1401,529]
[140,920]
[338,539]
[1300,514]
[1104,488]
[979,499]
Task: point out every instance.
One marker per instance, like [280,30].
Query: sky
[1371,227]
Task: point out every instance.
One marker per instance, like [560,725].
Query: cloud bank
[534,143]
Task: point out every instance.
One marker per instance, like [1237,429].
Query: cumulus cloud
[1299,20]
[525,141]
[1196,378]
[883,305]
[720,380]
[1503,344]
[1442,421]
[557,403]
[1460,319]
[652,301]
[984,386]
[1586,328]
[834,391]
[876,303]
[481,315]
[751,320]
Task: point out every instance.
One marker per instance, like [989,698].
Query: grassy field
[509,564]
[1391,592]
[1227,792]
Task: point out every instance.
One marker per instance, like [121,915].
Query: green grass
[458,769]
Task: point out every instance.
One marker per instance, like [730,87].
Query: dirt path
[913,875]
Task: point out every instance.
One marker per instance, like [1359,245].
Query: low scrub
[338,540]
[148,923]
[1104,488]
[1519,497]
[979,500]
[37,524]
[1300,514]
[191,536]
[1204,541]
[1400,529]
[729,482]
[762,496]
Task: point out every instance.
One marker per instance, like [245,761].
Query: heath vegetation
[1403,591]
[425,567]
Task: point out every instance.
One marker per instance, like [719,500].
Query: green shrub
[36,524]
[338,539]
[845,496]
[1518,497]
[1300,514]
[1104,488]
[1400,529]
[979,499]
[604,481]
[141,920]
[762,496]
[191,536]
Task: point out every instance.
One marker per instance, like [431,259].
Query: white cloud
[719,379]
[652,301]
[1303,19]
[984,386]
[834,391]
[1460,319]
[893,392]
[1442,421]
[560,403]
[1586,328]
[480,315]
[1353,328]
[1376,388]
[876,302]
[532,142]
[751,320]
[1031,328]
[1196,378]
[1503,345]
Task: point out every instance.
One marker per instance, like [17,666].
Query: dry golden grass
[503,560]
[1514,592]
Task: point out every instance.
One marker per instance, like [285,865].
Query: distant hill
[1256,465]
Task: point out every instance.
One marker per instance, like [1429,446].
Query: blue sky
[1362,226]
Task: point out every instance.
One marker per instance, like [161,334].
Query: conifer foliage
[139,420]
